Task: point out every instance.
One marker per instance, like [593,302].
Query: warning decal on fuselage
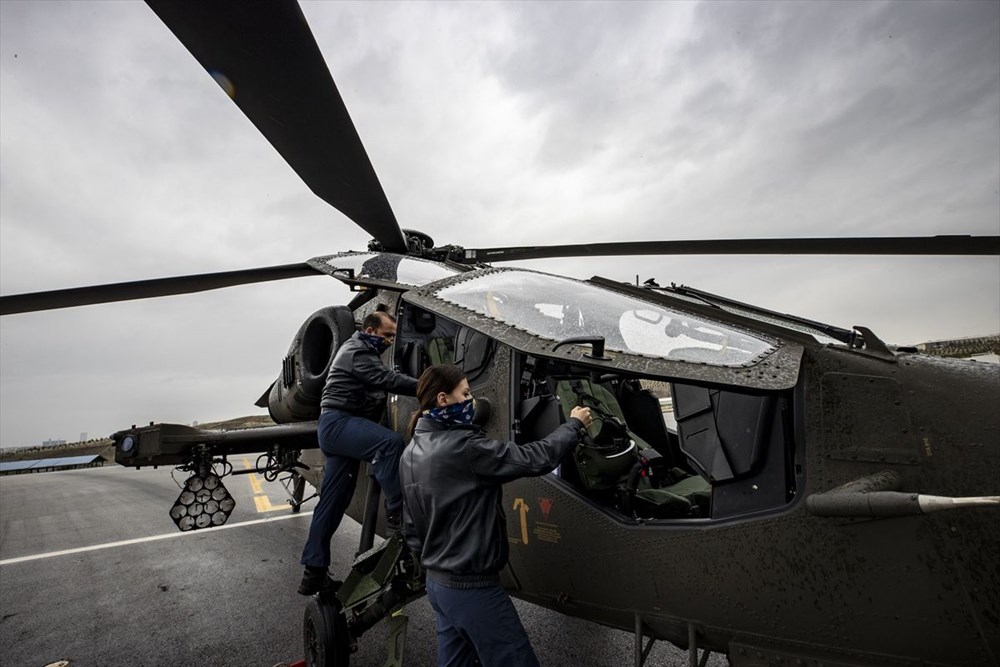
[543,531]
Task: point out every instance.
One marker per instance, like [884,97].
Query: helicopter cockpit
[695,418]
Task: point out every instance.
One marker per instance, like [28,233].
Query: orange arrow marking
[519,504]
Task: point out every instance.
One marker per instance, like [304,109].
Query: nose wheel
[381,582]
[324,633]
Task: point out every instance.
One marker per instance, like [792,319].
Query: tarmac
[93,571]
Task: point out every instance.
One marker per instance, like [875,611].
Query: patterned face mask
[456,413]
[377,343]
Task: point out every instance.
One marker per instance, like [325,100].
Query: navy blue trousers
[347,440]
[478,623]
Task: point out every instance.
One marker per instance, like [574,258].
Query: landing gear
[324,633]
[298,484]
[382,581]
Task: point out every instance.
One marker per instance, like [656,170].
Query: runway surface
[151,595]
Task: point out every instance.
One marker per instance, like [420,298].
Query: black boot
[316,579]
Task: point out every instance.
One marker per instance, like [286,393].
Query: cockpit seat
[413,358]
[416,357]
[608,451]
[441,350]
[690,496]
[614,460]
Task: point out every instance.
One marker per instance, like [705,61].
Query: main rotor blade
[144,289]
[263,54]
[903,245]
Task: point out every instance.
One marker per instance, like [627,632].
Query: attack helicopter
[790,506]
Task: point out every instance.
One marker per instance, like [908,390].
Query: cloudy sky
[488,124]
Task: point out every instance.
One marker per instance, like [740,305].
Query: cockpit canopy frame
[384,270]
[765,361]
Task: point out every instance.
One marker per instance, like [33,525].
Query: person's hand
[583,414]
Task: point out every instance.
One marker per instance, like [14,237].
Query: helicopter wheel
[324,634]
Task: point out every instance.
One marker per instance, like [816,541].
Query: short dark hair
[376,319]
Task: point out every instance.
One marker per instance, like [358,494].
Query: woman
[451,475]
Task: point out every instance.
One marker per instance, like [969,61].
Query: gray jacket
[357,381]
[453,513]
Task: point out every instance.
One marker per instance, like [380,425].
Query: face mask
[377,343]
[456,413]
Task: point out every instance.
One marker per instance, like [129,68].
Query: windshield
[389,267]
[557,308]
[814,329]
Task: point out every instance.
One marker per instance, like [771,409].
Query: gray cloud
[488,124]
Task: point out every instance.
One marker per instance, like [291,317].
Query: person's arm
[501,462]
[410,532]
[369,369]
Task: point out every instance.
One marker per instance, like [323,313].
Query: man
[353,402]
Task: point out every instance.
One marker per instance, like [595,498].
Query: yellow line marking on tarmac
[260,499]
[152,538]
[255,484]
[263,504]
